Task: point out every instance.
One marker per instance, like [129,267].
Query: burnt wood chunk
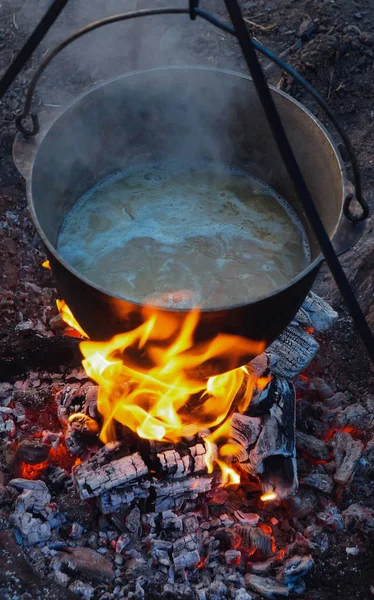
[91,481]
[292,351]
[316,313]
[347,452]
[312,446]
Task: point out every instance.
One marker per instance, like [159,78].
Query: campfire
[183,473]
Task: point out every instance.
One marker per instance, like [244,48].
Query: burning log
[273,456]
[173,463]
[93,479]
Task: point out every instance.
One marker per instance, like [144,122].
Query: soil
[331,43]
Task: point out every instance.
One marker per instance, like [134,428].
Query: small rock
[306,28]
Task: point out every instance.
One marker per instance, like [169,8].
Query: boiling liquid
[184,237]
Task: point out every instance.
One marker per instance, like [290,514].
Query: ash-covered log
[93,479]
[292,351]
[316,313]
[267,444]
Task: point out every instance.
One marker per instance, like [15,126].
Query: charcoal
[273,458]
[247,518]
[338,400]
[260,542]
[312,446]
[302,504]
[84,590]
[93,479]
[233,557]
[320,481]
[263,567]
[356,515]
[355,416]
[295,567]
[292,351]
[32,529]
[133,522]
[347,452]
[331,517]
[316,313]
[241,594]
[170,494]
[122,496]
[179,466]
[266,586]
[185,552]
[322,387]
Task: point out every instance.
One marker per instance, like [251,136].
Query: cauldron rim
[52,250]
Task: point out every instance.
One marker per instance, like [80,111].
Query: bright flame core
[151,381]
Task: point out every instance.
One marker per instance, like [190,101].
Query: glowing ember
[68,317]
[46,265]
[269,496]
[170,398]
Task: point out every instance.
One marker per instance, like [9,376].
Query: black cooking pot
[188,114]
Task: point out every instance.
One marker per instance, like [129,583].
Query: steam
[122,47]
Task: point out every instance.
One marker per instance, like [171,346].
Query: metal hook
[193,5]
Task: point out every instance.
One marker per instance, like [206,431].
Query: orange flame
[68,317]
[46,265]
[152,380]
[268,496]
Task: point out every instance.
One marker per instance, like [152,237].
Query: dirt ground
[330,42]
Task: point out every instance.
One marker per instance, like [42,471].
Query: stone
[356,515]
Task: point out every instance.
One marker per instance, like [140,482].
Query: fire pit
[168,468]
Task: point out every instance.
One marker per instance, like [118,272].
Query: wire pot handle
[32,128]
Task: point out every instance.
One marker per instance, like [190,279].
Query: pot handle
[193,11]
[349,231]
